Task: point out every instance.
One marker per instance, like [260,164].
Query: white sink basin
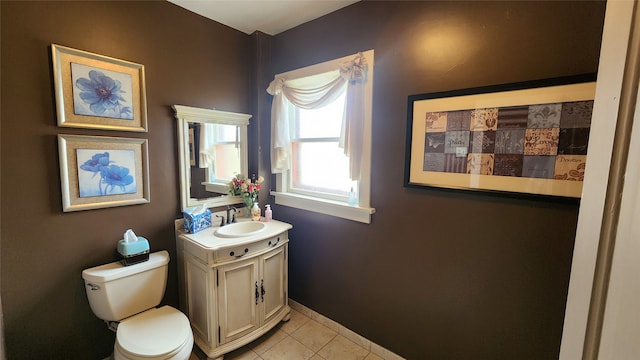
[240,229]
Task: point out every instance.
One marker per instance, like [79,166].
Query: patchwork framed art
[98,92]
[528,137]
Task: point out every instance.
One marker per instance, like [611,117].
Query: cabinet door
[198,297]
[273,284]
[238,295]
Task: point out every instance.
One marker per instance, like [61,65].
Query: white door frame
[598,218]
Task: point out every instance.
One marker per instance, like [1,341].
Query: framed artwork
[528,137]
[98,92]
[100,171]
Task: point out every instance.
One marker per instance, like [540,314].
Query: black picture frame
[527,137]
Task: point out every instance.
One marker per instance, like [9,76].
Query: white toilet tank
[117,292]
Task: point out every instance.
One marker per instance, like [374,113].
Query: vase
[248,203]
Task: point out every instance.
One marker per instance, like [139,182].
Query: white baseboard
[349,334]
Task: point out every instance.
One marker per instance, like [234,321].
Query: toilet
[125,297]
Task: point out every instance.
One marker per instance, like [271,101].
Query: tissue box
[195,223]
[133,252]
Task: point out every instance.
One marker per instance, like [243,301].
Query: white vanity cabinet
[233,290]
[250,293]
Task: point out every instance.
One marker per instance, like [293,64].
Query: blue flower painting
[100,92]
[97,161]
[105,172]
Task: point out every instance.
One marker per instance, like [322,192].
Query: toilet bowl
[160,333]
[125,297]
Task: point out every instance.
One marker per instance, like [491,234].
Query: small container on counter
[255,212]
[268,214]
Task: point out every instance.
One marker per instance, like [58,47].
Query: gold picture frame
[98,92]
[527,138]
[101,171]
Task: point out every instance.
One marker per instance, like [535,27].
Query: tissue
[130,236]
[198,210]
[133,249]
[196,219]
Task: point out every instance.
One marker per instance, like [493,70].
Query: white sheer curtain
[314,92]
[207,151]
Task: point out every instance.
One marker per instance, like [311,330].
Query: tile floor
[301,338]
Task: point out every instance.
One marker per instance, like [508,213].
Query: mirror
[212,149]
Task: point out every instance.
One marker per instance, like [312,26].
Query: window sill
[219,188]
[328,207]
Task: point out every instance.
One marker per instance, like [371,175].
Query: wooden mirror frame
[186,115]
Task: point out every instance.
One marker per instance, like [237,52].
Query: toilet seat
[158,333]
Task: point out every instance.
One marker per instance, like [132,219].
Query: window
[313,172]
[219,155]
[223,144]
[319,166]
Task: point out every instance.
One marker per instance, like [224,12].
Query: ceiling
[268,16]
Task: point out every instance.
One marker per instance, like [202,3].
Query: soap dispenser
[255,212]
[268,214]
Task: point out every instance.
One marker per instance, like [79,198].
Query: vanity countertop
[208,240]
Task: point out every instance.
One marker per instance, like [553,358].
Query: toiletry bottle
[255,212]
[352,197]
[268,214]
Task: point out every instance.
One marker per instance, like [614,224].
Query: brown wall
[188,60]
[437,275]
[442,274]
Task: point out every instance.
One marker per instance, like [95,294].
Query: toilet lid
[154,333]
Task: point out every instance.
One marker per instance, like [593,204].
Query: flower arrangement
[247,188]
